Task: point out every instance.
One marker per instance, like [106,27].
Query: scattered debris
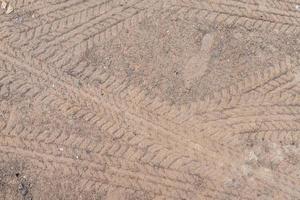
[7,6]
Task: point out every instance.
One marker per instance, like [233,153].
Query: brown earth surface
[149,99]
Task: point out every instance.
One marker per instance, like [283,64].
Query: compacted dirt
[149,99]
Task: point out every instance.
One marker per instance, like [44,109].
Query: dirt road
[149,99]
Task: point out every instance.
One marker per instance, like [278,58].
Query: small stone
[9,9]
[3,4]
[298,7]
[252,156]
[78,83]
[23,189]
[4,92]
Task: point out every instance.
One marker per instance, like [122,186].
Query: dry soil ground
[150,99]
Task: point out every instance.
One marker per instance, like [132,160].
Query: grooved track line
[100,172]
[241,14]
[224,112]
[172,162]
[29,68]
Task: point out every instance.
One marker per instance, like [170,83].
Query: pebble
[3,4]
[7,6]
[9,9]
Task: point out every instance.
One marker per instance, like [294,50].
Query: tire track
[178,141]
[257,88]
[105,30]
[194,150]
[181,162]
[108,178]
[139,118]
[65,19]
[86,112]
[109,166]
[235,16]
[82,94]
[97,18]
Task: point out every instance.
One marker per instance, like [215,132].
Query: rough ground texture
[150,99]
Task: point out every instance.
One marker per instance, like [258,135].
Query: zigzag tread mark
[274,9]
[122,94]
[48,77]
[197,148]
[281,132]
[103,170]
[258,21]
[53,101]
[92,177]
[245,110]
[131,140]
[62,19]
[107,31]
[40,8]
[252,131]
[117,91]
[288,7]
[70,31]
[132,116]
[12,85]
[102,31]
[279,137]
[255,88]
[289,180]
[244,114]
[171,164]
[67,141]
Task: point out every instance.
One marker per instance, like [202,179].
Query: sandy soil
[149,99]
